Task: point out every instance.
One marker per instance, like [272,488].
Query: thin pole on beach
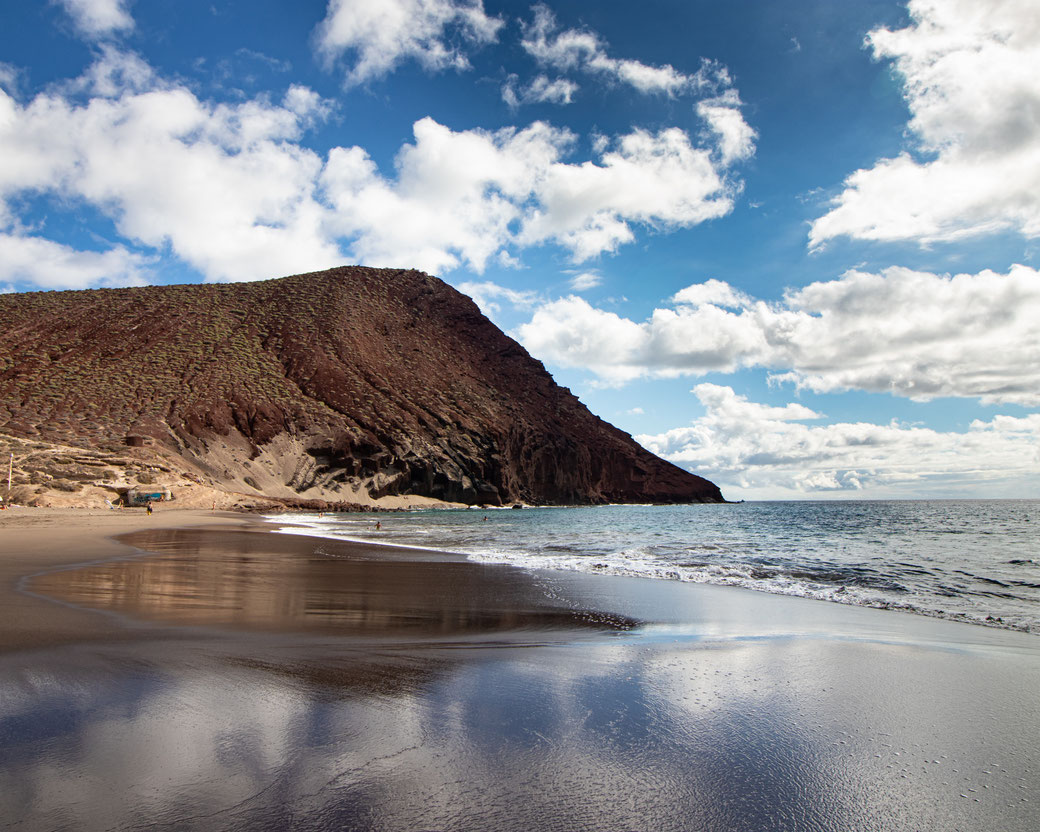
[10,471]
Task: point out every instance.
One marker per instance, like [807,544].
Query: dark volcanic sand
[352,688]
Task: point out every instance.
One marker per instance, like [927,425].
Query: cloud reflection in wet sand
[313,730]
[258,581]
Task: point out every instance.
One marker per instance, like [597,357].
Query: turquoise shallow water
[973,560]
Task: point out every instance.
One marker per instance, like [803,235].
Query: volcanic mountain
[345,386]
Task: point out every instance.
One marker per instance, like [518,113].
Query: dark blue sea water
[972,560]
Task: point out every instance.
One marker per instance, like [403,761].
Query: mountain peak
[344,385]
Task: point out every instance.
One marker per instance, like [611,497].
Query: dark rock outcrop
[348,384]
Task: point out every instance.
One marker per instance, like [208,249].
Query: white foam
[735,576]
[368,541]
[481,544]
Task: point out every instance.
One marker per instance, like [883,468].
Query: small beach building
[143,496]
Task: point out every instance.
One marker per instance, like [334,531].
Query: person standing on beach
[148,507]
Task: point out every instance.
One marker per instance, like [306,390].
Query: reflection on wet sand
[270,733]
[341,690]
[256,581]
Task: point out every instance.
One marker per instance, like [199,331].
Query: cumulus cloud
[454,199]
[99,18]
[461,196]
[232,190]
[582,50]
[44,264]
[656,179]
[381,35]
[224,186]
[572,333]
[907,333]
[113,73]
[969,75]
[736,138]
[712,292]
[768,450]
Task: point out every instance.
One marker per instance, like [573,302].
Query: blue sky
[790,246]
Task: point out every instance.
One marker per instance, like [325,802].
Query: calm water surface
[967,560]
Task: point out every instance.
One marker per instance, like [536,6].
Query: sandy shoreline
[295,682]
[38,539]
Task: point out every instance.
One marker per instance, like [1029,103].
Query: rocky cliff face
[344,385]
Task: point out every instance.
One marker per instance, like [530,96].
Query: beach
[203,672]
[40,539]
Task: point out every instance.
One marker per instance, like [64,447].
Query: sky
[790,246]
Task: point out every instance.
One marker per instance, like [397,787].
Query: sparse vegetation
[453,407]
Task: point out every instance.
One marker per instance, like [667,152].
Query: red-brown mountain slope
[341,385]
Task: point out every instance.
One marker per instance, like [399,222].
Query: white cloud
[970,73]
[736,138]
[541,90]
[564,50]
[49,265]
[582,50]
[572,333]
[585,280]
[902,332]
[487,294]
[712,291]
[230,189]
[9,76]
[645,78]
[460,197]
[112,74]
[98,18]
[654,179]
[767,451]
[454,199]
[310,107]
[223,185]
[383,34]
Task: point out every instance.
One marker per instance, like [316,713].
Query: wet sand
[240,679]
[39,539]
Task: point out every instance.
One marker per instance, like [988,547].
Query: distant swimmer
[378,525]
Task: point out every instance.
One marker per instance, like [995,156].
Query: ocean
[969,560]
